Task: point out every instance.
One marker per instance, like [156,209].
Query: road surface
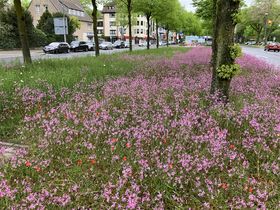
[16,55]
[269,57]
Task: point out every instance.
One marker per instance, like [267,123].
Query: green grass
[62,73]
[67,72]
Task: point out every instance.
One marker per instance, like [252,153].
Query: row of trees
[165,13]
[260,21]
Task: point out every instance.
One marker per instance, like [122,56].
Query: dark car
[79,46]
[91,45]
[119,44]
[57,47]
[273,47]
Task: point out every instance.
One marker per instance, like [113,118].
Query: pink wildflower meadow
[152,140]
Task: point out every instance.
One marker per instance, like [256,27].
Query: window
[142,31]
[138,23]
[89,25]
[37,9]
[100,31]
[112,23]
[137,31]
[82,14]
[112,32]
[112,15]
[141,23]
[100,23]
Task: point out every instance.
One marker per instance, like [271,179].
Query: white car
[143,44]
[106,46]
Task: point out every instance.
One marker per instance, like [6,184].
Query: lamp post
[265,28]
[64,24]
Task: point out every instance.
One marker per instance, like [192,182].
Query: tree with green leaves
[22,32]
[224,50]
[46,24]
[126,5]
[173,16]
[146,7]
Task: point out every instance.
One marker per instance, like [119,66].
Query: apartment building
[114,31]
[69,7]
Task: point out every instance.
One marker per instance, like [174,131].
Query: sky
[189,7]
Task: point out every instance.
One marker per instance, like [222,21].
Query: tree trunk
[22,32]
[157,33]
[129,24]
[223,39]
[167,37]
[258,37]
[148,32]
[95,34]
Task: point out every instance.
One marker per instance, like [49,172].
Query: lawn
[150,137]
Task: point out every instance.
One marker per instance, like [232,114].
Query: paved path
[269,57]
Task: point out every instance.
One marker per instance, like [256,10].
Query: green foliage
[9,34]
[46,25]
[204,9]
[228,71]
[235,51]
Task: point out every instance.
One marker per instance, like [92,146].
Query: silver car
[106,46]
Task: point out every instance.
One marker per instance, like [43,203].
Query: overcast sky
[188,4]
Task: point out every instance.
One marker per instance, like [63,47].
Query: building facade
[114,31]
[69,7]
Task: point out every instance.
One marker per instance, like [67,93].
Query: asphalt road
[16,55]
[269,57]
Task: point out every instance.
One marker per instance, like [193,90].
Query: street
[269,57]
[16,55]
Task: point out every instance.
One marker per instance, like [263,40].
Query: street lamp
[265,28]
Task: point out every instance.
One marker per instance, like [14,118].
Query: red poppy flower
[128,145]
[231,146]
[124,158]
[28,164]
[37,168]
[92,161]
[79,162]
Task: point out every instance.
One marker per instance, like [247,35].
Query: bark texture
[22,32]
[148,16]
[157,33]
[223,39]
[94,19]
[129,8]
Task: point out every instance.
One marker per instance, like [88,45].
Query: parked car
[106,46]
[79,46]
[91,45]
[162,43]
[119,44]
[272,46]
[126,44]
[57,47]
[250,42]
[142,44]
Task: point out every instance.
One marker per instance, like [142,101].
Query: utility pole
[64,24]
[265,28]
